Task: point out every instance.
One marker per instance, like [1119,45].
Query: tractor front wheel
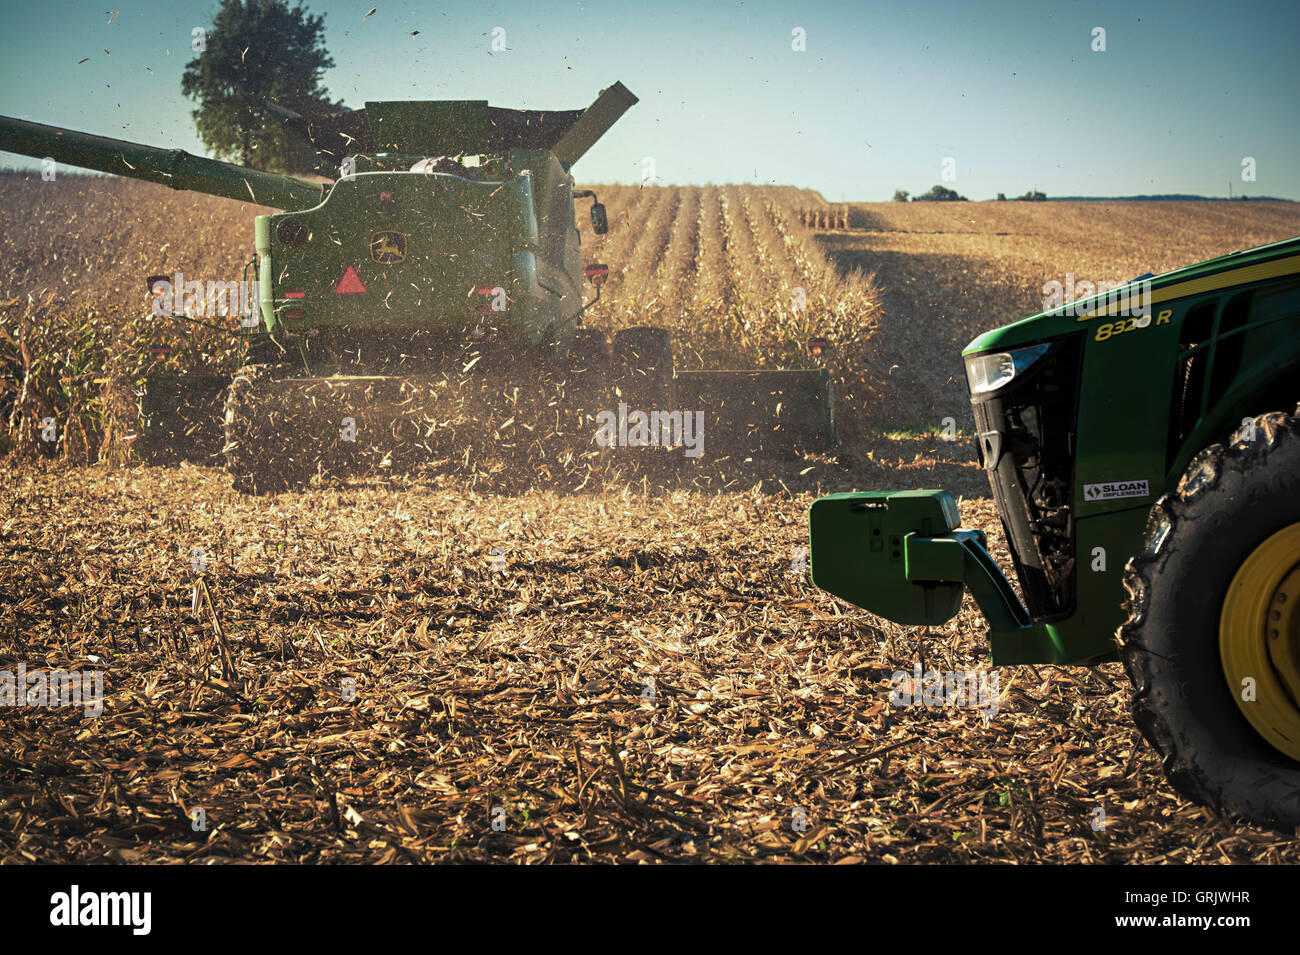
[1212,639]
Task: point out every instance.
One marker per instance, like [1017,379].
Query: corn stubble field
[621,673]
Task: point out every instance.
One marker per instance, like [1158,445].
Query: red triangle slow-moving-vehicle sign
[350,283]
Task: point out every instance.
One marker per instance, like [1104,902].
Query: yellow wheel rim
[1259,639]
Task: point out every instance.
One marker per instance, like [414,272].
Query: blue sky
[1011,91]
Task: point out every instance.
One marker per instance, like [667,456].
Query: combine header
[427,304]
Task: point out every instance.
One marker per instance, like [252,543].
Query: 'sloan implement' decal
[1115,490]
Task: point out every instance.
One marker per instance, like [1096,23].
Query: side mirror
[599,222]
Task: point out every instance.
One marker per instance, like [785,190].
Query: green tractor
[431,297]
[1143,447]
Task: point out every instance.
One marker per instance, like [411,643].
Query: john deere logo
[387,247]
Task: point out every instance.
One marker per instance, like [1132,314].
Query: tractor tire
[643,368]
[1209,642]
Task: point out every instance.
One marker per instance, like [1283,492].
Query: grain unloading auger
[426,305]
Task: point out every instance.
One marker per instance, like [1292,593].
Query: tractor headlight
[988,373]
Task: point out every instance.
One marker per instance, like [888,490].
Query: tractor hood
[1140,296]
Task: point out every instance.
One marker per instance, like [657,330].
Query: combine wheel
[588,366]
[1212,639]
[253,458]
[587,383]
[643,368]
[180,418]
[279,354]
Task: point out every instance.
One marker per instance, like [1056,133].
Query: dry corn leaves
[380,673]
[948,271]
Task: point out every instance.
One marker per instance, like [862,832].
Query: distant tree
[1033,195]
[1002,197]
[939,194]
[255,50]
[900,195]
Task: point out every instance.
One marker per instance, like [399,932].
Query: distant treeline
[943,194]
[1169,197]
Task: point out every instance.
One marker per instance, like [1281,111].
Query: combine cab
[427,305]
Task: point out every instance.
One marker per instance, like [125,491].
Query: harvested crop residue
[377,673]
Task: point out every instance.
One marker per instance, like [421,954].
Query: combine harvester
[427,305]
